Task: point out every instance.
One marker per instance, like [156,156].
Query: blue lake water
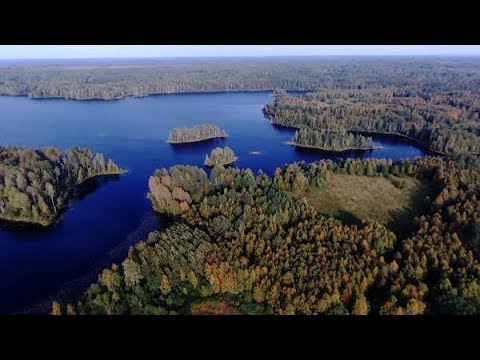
[35,265]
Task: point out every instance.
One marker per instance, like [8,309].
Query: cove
[99,225]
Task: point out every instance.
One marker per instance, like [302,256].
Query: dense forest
[331,140]
[251,244]
[116,80]
[443,121]
[197,133]
[35,184]
[220,156]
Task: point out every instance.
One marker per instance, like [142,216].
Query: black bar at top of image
[281,24]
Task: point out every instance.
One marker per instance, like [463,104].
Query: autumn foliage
[247,239]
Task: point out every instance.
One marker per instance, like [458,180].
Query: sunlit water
[35,265]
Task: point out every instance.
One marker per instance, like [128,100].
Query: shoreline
[194,141]
[24,222]
[210,92]
[223,163]
[422,144]
[364,132]
[332,150]
[30,223]
[76,287]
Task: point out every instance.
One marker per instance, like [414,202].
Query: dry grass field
[355,198]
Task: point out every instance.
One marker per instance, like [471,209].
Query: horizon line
[249,56]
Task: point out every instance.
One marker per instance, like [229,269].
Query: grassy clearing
[355,198]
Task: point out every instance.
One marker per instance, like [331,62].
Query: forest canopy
[197,133]
[220,156]
[35,184]
[331,140]
[247,240]
[116,80]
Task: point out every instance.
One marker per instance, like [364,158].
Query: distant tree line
[35,184]
[416,77]
[220,156]
[447,122]
[247,239]
[331,140]
[197,133]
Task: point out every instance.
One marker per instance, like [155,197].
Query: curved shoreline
[72,289]
[223,163]
[15,221]
[422,144]
[148,95]
[194,141]
[332,150]
[364,132]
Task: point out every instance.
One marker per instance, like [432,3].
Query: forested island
[331,140]
[109,80]
[35,184]
[255,245]
[220,156]
[197,133]
[442,121]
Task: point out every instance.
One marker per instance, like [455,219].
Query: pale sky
[139,51]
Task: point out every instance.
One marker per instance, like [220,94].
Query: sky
[140,51]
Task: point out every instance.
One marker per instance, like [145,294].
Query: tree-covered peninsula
[197,133]
[255,245]
[442,121]
[220,156]
[331,140]
[35,185]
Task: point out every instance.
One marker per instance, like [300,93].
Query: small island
[197,133]
[220,156]
[35,185]
[331,140]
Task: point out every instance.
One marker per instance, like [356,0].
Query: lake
[99,227]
